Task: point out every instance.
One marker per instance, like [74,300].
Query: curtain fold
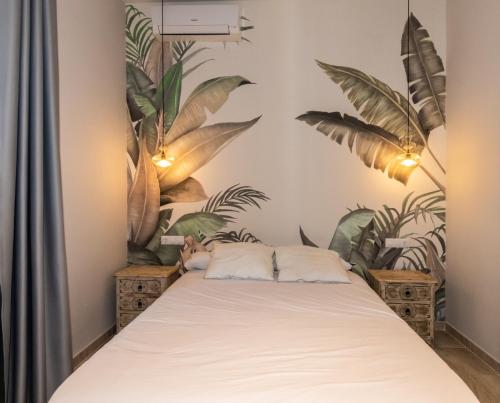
[33,277]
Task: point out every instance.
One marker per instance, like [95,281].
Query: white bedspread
[257,341]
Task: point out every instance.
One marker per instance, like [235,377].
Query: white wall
[92,85]
[473,281]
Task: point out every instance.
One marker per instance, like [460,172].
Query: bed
[263,341]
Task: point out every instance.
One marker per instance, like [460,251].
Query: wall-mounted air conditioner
[212,22]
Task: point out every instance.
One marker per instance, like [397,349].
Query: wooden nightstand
[410,294]
[137,287]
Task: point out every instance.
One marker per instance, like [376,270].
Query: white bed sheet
[261,341]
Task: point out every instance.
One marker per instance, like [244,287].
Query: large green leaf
[132,143]
[211,95]
[189,190]
[195,149]
[144,199]
[145,105]
[141,256]
[376,147]
[387,258]
[138,83]
[425,70]
[359,264]
[377,103]
[351,232]
[305,239]
[161,229]
[168,94]
[354,239]
[198,225]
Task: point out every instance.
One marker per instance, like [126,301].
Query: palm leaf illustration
[139,36]
[234,236]
[233,200]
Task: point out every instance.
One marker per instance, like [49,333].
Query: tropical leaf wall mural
[200,99]
[155,73]
[387,118]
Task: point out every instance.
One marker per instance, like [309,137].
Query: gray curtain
[33,279]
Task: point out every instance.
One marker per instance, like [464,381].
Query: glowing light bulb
[409,159]
[161,160]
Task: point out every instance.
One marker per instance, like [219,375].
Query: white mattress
[250,341]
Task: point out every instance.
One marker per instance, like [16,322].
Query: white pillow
[305,263]
[198,261]
[241,260]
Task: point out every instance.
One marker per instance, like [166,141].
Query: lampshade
[409,159]
[161,159]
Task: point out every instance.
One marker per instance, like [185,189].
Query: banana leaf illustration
[375,146]
[138,83]
[424,69]
[353,233]
[360,235]
[187,191]
[143,199]
[353,240]
[211,95]
[198,224]
[387,113]
[376,140]
[154,87]
[194,149]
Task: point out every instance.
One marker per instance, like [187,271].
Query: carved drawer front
[422,327]
[407,292]
[140,286]
[135,302]
[126,318]
[412,311]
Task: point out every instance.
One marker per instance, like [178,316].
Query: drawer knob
[407,292]
[406,311]
[139,287]
[139,304]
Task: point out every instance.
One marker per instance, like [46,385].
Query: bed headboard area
[292,134]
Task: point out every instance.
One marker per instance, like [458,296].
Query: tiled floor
[480,377]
